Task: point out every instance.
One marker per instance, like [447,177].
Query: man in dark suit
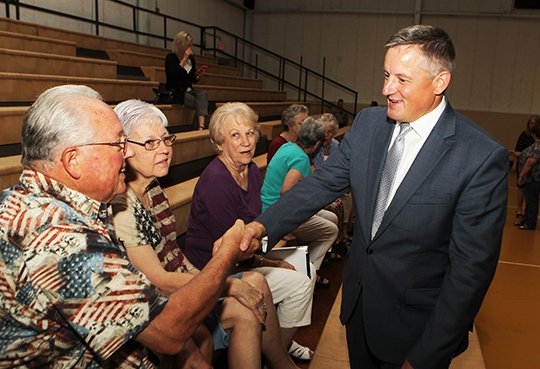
[428,231]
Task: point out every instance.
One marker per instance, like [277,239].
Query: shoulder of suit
[372,117]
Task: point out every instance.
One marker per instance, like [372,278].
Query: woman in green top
[288,166]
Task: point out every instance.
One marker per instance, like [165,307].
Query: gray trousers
[198,100]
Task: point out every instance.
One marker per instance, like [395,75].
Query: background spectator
[181,71]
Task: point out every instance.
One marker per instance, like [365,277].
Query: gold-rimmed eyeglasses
[121,144]
[153,144]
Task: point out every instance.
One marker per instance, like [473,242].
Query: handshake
[241,241]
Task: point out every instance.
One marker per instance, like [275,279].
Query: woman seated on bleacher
[288,166]
[291,120]
[229,189]
[181,72]
[342,207]
[144,222]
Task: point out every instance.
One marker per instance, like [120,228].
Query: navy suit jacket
[426,271]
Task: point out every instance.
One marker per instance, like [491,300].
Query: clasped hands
[245,237]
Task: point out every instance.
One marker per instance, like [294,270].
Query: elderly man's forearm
[187,307]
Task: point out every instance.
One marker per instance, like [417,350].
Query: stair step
[132,73]
[20,87]
[272,110]
[11,118]
[17,61]
[223,93]
[213,78]
[92,53]
[83,40]
[17,41]
[271,129]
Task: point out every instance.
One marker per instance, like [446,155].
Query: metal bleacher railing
[156,29]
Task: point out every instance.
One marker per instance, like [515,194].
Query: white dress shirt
[414,140]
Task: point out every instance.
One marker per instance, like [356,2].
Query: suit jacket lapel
[437,144]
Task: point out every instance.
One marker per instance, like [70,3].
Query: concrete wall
[498,48]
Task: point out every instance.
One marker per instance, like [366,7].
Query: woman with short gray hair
[289,165]
[329,144]
[291,120]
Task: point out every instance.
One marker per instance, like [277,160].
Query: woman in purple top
[229,189]
[229,200]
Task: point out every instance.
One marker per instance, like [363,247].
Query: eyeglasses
[121,144]
[154,144]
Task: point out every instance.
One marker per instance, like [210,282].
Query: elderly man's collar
[38,182]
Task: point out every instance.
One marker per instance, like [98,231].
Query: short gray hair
[434,42]
[133,113]
[330,119]
[288,115]
[55,121]
[310,133]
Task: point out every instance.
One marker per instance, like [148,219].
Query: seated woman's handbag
[165,96]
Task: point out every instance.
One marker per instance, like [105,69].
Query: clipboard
[297,256]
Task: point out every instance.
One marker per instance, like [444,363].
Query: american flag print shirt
[69,298]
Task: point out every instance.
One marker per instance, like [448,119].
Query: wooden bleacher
[18,41]
[30,62]
[35,58]
[25,88]
[11,119]
[82,40]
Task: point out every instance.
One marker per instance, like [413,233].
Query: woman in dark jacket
[529,179]
[525,139]
[182,73]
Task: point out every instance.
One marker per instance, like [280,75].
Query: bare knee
[234,315]
[257,280]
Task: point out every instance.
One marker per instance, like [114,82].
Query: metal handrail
[303,72]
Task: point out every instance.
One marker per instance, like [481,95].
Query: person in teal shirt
[290,156]
[288,166]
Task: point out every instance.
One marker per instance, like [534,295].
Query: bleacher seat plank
[20,87]
[11,124]
[10,170]
[272,109]
[215,78]
[84,40]
[177,115]
[18,41]
[18,61]
[223,93]
[137,59]
[230,81]
[11,119]
[155,73]
[271,129]
[189,146]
